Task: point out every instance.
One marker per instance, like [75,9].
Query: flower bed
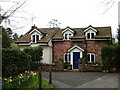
[27,80]
[93,64]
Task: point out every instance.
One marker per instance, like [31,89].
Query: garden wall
[45,67]
[92,68]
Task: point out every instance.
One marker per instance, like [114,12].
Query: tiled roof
[56,33]
[47,32]
[103,32]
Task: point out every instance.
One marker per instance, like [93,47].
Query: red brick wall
[59,48]
[95,47]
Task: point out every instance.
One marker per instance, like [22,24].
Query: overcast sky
[72,13]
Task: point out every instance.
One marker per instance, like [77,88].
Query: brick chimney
[33,27]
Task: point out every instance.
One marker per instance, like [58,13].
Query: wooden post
[40,78]
[50,74]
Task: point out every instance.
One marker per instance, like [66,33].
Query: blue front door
[76,57]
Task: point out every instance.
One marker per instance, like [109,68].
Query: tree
[6,40]
[15,36]
[36,56]
[9,32]
[54,23]
[21,36]
[118,34]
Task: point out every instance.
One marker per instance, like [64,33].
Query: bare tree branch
[21,26]
[53,23]
[11,11]
[108,4]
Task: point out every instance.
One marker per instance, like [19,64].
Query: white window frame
[68,58]
[90,35]
[35,38]
[90,57]
[68,36]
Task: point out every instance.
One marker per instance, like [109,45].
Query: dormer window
[67,33]
[90,33]
[65,36]
[88,36]
[35,38]
[36,35]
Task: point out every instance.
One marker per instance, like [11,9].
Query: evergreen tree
[9,32]
[15,36]
[6,40]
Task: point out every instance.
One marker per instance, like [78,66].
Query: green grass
[35,84]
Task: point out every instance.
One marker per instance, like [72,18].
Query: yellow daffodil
[10,80]
[21,74]
[28,76]
[5,79]
[34,74]
[25,71]
[28,71]
[20,77]
[10,76]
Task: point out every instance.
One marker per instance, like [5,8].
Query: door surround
[75,49]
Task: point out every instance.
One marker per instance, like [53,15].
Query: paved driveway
[83,79]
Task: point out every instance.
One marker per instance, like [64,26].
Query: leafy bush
[111,57]
[65,65]
[14,62]
[36,56]
[15,47]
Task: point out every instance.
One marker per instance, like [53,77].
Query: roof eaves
[90,28]
[68,28]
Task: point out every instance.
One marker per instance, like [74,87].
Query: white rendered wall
[47,55]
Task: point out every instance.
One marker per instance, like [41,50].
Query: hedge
[111,57]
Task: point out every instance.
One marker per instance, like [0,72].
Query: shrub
[65,65]
[36,56]
[110,57]
[14,62]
